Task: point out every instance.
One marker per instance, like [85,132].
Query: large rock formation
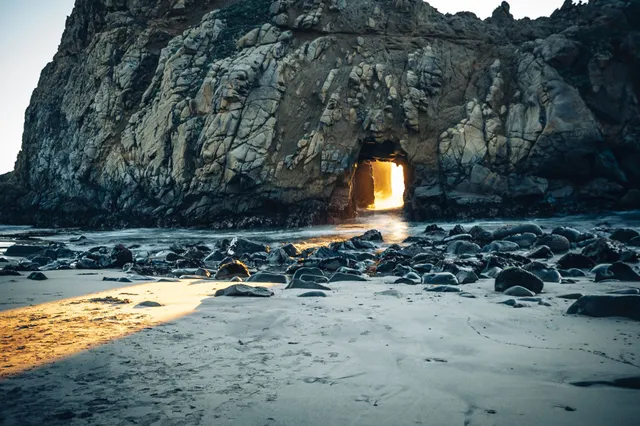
[249,112]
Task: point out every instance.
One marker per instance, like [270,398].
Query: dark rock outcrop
[256,112]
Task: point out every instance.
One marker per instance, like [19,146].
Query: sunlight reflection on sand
[36,335]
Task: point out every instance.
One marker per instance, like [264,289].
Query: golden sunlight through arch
[388,184]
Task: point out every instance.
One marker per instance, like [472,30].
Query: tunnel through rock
[380,177]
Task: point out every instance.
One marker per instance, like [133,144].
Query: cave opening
[380,179]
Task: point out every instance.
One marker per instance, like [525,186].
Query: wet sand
[353,358]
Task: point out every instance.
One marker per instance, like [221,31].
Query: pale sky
[30,31]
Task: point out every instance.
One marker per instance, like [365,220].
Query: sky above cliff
[30,31]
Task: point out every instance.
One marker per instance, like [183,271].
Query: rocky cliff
[253,112]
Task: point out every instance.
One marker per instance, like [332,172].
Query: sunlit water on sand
[392,224]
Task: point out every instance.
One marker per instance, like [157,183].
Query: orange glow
[388,184]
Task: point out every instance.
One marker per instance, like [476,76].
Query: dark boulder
[267,277]
[623,272]
[121,256]
[240,246]
[443,289]
[512,277]
[541,252]
[313,294]
[624,235]
[243,290]
[575,260]
[602,251]
[24,250]
[37,276]
[307,270]
[525,241]
[557,243]
[457,230]
[444,278]
[232,269]
[306,285]
[507,231]
[371,235]
[315,279]
[466,277]
[340,277]
[463,247]
[573,235]
[542,271]
[500,246]
[607,306]
[291,250]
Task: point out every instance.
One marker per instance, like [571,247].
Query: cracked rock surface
[224,113]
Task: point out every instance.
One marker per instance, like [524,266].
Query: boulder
[542,271]
[307,270]
[507,231]
[149,304]
[243,290]
[306,285]
[340,277]
[463,247]
[623,272]
[445,278]
[541,252]
[240,246]
[602,251]
[557,243]
[267,277]
[232,269]
[525,241]
[443,289]
[513,276]
[518,291]
[573,235]
[607,306]
[313,294]
[37,276]
[24,250]
[575,260]
[500,246]
[624,235]
[466,277]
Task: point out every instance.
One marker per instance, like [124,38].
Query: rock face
[216,112]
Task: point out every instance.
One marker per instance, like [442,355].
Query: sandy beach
[357,357]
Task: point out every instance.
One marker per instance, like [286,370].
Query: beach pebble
[625,291]
[557,243]
[392,293]
[232,269]
[306,270]
[542,271]
[607,306]
[467,295]
[541,252]
[267,277]
[508,230]
[500,246]
[341,277]
[149,304]
[407,281]
[466,277]
[444,289]
[37,276]
[518,291]
[320,279]
[243,290]
[306,285]
[571,296]
[313,294]
[512,277]
[624,235]
[575,260]
[446,278]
